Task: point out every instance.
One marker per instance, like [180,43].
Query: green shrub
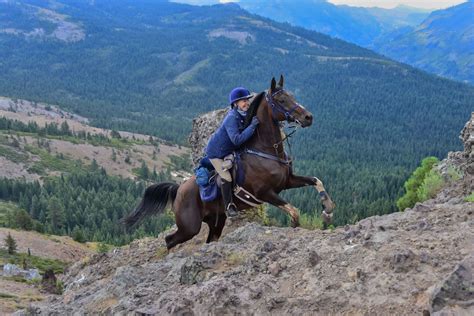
[103,248]
[414,182]
[431,185]
[59,287]
[258,215]
[312,222]
[470,197]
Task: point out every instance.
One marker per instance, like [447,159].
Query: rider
[227,138]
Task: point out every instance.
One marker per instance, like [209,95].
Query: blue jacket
[229,136]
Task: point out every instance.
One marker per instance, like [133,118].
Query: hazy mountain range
[357,25]
[440,42]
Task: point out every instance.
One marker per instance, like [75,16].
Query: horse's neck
[267,133]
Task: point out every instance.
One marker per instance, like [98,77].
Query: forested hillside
[61,176]
[151,66]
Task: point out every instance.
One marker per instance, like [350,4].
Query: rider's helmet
[237,94]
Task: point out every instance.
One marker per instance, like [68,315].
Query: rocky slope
[419,261]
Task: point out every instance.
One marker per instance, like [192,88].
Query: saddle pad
[209,192]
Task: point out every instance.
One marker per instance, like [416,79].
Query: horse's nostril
[309,117]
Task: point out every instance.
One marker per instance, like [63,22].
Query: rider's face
[243,105]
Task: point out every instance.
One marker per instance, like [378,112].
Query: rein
[268,156]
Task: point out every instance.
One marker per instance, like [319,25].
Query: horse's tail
[154,201]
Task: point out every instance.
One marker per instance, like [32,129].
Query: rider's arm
[232,129]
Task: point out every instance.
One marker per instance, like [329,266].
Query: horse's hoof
[327,218]
[295,224]
[328,205]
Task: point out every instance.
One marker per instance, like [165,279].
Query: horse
[268,171]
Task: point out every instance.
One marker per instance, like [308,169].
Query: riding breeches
[225,174]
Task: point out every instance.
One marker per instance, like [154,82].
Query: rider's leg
[226,188]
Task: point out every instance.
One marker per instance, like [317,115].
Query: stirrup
[231,210]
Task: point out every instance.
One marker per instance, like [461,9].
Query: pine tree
[144,171]
[10,243]
[56,215]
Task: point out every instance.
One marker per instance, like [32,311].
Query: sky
[425,4]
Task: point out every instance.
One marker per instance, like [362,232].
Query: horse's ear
[280,83]
[273,86]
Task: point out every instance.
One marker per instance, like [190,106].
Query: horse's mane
[252,111]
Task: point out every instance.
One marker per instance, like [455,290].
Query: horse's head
[284,106]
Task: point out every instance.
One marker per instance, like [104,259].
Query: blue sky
[426,4]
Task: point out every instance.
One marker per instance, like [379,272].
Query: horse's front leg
[328,205]
[275,200]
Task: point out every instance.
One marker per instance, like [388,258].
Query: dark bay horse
[267,172]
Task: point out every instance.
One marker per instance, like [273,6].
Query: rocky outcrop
[467,136]
[419,261]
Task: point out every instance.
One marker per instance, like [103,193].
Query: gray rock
[419,207]
[268,246]
[274,268]
[456,292]
[402,261]
[314,258]
[11,270]
[192,272]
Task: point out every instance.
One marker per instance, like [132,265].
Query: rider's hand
[255,121]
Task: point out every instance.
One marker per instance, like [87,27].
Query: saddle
[209,181]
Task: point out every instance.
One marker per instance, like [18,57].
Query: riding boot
[230,208]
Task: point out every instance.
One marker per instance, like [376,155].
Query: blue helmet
[238,94]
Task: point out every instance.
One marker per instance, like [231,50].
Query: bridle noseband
[277,107]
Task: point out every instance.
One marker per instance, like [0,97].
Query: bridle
[277,107]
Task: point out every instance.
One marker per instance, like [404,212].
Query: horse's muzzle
[306,121]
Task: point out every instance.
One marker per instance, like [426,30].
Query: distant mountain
[443,44]
[357,25]
[152,66]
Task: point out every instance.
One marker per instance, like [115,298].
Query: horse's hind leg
[215,231]
[189,224]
